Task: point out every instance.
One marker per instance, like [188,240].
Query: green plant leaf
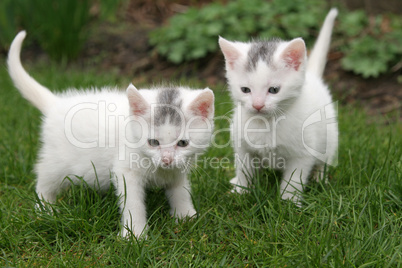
[237,20]
[372,54]
[353,23]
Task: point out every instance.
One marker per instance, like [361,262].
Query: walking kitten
[280,99]
[143,138]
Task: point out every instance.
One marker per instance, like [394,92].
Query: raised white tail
[34,92]
[318,56]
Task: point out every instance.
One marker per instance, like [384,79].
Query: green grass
[354,221]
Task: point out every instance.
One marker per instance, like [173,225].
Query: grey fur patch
[261,50]
[169,105]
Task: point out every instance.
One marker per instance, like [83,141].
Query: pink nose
[167,160]
[258,106]
[167,157]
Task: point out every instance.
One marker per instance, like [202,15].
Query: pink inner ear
[293,58]
[137,103]
[203,104]
[229,51]
[294,54]
[231,59]
[203,109]
[138,108]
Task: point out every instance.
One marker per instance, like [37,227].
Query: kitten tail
[318,56]
[31,90]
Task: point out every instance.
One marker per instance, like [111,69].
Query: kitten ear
[294,54]
[138,105]
[231,53]
[203,104]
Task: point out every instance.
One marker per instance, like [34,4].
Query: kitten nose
[167,160]
[258,106]
[167,157]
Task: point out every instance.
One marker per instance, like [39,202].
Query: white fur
[318,56]
[278,131]
[39,96]
[100,131]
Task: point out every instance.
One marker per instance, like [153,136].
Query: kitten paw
[238,187]
[320,175]
[295,198]
[185,213]
[137,232]
[44,207]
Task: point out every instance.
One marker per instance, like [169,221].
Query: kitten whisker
[221,103]
[230,111]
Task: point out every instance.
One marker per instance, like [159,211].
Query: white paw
[44,207]
[238,187]
[295,198]
[318,176]
[138,232]
[183,213]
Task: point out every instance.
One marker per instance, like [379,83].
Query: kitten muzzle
[167,157]
[258,106]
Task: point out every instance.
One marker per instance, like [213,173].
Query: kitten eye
[153,142]
[182,143]
[273,90]
[245,90]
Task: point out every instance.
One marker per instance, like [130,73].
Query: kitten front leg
[294,178]
[179,196]
[132,206]
[320,174]
[244,173]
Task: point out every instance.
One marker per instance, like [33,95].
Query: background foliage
[8,27]
[60,27]
[370,45]
[193,34]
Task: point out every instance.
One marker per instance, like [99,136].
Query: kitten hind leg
[48,185]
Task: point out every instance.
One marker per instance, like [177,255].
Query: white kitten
[145,137]
[280,99]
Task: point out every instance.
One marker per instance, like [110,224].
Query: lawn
[354,221]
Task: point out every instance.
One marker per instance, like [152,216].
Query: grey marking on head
[168,107]
[261,50]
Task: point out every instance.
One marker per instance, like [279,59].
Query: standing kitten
[142,138]
[280,99]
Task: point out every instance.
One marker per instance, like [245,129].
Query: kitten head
[265,76]
[180,123]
